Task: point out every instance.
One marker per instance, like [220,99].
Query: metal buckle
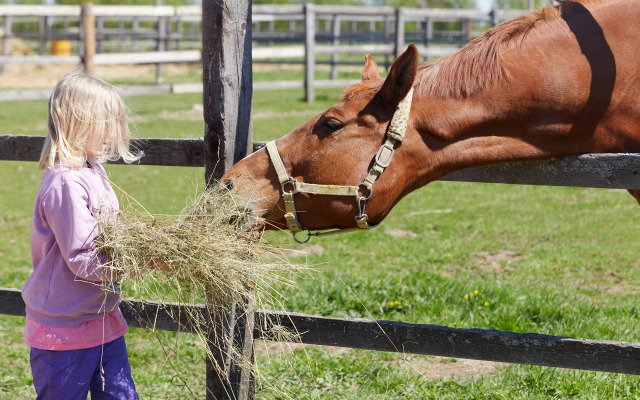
[294,185]
[379,154]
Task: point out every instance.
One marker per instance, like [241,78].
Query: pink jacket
[64,289]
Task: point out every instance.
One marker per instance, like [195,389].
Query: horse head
[546,84]
[336,151]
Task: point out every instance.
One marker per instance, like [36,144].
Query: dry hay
[17,47]
[209,253]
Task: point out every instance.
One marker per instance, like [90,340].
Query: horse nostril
[228,184]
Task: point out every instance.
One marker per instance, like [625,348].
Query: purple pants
[70,374]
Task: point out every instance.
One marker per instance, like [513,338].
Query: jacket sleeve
[74,226]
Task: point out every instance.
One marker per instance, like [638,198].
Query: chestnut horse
[551,83]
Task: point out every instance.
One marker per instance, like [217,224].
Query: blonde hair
[85,114]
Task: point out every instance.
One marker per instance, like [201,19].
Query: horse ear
[370,71]
[401,76]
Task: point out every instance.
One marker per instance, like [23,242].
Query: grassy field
[559,261]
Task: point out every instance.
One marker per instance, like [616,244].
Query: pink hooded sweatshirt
[65,289]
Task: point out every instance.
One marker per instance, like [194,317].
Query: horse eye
[332,124]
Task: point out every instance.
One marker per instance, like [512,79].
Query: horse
[555,82]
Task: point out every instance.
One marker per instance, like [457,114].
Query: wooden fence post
[135,28]
[43,29]
[99,35]
[88,38]
[179,33]
[353,32]
[466,31]
[335,33]
[399,48]
[493,17]
[387,39]
[160,46]
[227,84]
[6,45]
[309,52]
[428,35]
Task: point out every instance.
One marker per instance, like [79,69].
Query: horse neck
[546,106]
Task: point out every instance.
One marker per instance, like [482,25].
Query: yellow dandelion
[449,255]
[466,296]
[486,303]
[555,266]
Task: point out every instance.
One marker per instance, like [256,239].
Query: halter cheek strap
[290,186]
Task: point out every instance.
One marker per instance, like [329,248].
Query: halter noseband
[290,186]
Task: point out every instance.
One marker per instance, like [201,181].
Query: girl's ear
[401,76]
[370,71]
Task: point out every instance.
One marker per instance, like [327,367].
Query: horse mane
[357,89]
[478,64]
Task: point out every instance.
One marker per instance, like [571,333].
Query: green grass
[569,268]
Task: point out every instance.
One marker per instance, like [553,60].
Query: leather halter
[290,186]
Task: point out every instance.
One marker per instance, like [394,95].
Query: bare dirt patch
[458,369]
[609,282]
[400,233]
[497,261]
[46,76]
[425,212]
[429,367]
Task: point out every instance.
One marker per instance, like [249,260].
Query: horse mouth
[254,219]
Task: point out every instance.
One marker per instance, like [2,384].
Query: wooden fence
[308,34]
[616,171]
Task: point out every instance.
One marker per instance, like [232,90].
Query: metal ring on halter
[369,189]
[294,185]
[309,234]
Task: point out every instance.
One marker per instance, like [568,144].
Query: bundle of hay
[209,253]
[17,47]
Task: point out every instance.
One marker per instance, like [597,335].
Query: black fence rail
[608,171]
[393,336]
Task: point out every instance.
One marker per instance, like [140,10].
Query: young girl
[73,325]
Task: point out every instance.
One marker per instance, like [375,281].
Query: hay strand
[208,253]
